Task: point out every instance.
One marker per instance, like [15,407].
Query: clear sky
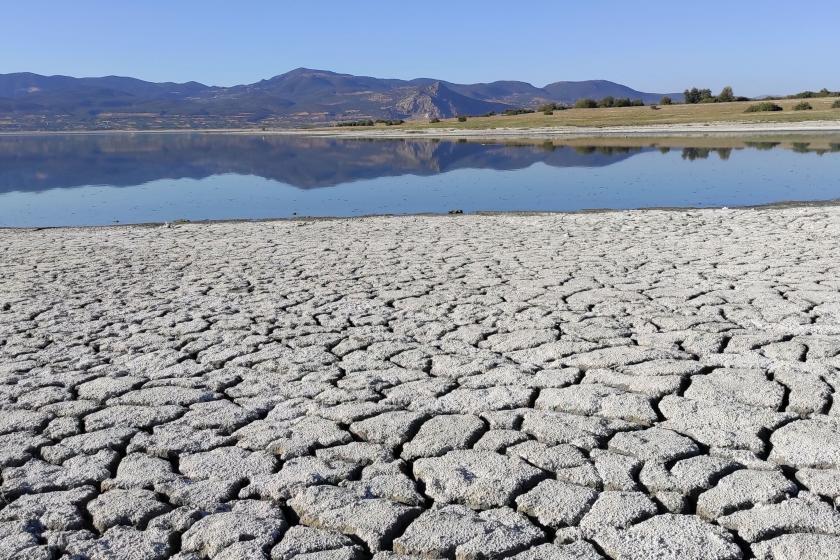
[759,47]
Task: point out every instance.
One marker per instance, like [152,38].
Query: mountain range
[302,96]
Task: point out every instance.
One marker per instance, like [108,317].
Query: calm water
[104,179]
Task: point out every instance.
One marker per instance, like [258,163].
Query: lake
[94,179]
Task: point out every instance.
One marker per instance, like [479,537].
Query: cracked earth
[624,385]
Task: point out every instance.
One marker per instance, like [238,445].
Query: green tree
[726,95]
[666,100]
[608,101]
[692,95]
[586,103]
[695,95]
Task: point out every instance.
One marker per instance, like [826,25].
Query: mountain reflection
[35,163]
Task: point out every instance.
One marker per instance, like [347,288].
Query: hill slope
[302,96]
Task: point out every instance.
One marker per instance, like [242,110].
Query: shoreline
[769,207]
[700,129]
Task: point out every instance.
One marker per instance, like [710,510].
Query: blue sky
[757,47]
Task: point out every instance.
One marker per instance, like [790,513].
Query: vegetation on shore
[764,106]
[676,113]
[812,94]
[726,95]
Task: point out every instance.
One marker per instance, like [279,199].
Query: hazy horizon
[674,48]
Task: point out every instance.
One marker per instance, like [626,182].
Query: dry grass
[634,116]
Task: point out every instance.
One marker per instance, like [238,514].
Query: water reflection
[36,163]
[129,178]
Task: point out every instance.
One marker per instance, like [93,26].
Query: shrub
[763,106]
[608,101]
[836,104]
[462,119]
[586,104]
[548,113]
[666,100]
[804,106]
[511,112]
[551,107]
[434,120]
[356,123]
[637,103]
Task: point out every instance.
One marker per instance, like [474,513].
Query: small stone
[579,550]
[246,522]
[124,543]
[797,515]
[442,434]
[556,504]
[390,428]
[654,444]
[228,463]
[306,542]
[457,531]
[374,520]
[670,537]
[814,443]
[478,479]
[298,474]
[591,399]
[125,507]
[743,489]
[616,510]
[499,440]
[801,546]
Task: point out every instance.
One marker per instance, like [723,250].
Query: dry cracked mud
[644,384]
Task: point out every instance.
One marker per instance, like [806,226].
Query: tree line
[704,95]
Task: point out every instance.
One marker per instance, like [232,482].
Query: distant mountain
[302,96]
[569,92]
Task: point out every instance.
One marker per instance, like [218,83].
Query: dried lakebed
[620,385]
